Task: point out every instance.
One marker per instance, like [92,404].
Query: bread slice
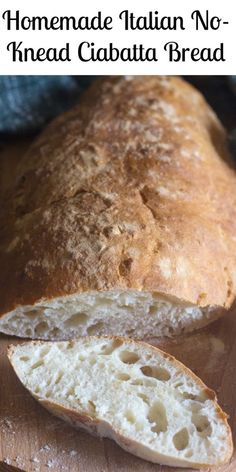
[134,313]
[122,218]
[144,399]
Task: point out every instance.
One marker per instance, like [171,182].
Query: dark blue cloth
[27,103]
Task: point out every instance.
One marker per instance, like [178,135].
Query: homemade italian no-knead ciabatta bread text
[144,399]
[122,219]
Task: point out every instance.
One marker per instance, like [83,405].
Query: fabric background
[28,102]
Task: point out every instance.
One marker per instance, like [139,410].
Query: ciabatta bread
[122,219]
[144,399]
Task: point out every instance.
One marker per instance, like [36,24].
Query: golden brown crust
[130,189]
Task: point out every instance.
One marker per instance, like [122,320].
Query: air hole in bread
[189,453]
[129,415]
[28,332]
[202,424]
[91,407]
[123,376]
[54,332]
[69,345]
[178,384]
[94,328]
[157,416]
[139,425]
[103,302]
[144,382]
[44,352]
[109,348]
[152,310]
[92,360]
[24,358]
[129,357]
[32,314]
[71,391]
[59,377]
[195,407]
[158,373]
[76,320]
[181,439]
[37,364]
[191,396]
[41,328]
[48,393]
[143,397]
[130,332]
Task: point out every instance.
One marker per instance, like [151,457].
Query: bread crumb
[73,453]
[46,447]
[19,461]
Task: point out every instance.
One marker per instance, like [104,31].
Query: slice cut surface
[149,403]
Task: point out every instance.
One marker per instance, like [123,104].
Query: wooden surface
[32,440]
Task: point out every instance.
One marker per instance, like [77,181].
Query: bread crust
[97,427]
[129,190]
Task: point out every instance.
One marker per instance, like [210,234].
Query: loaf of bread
[144,399]
[122,219]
